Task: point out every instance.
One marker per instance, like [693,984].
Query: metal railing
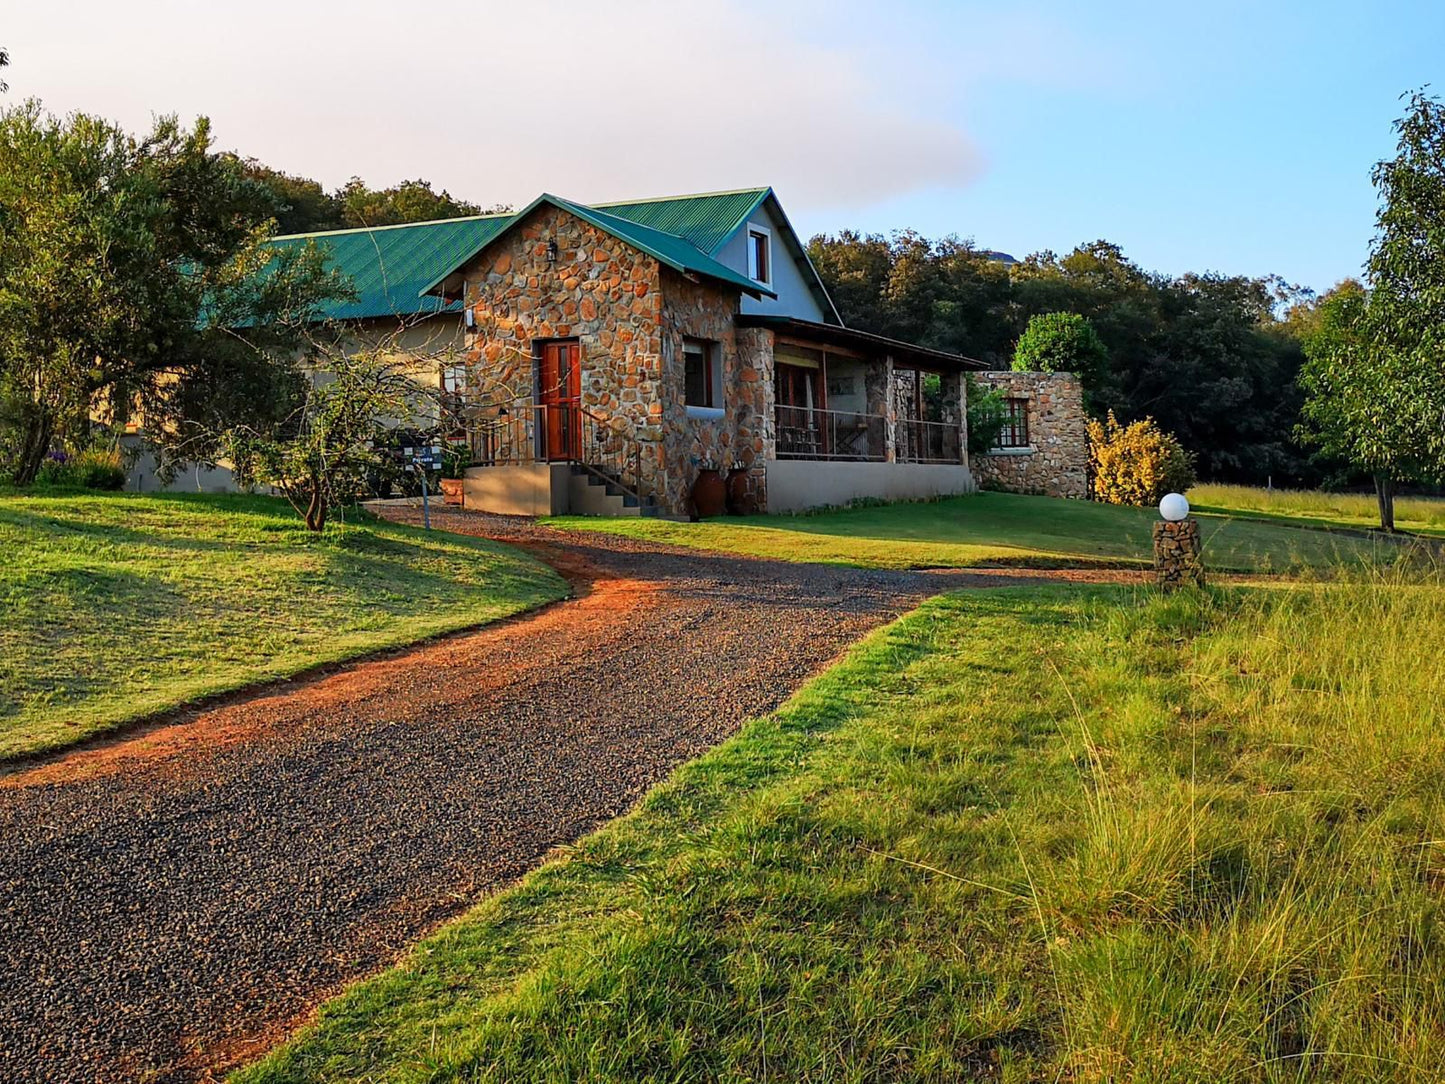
[565,433]
[810,433]
[919,441]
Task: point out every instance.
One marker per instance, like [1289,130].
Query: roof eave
[881,343]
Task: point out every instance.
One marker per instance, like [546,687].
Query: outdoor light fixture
[1174,507]
[551,251]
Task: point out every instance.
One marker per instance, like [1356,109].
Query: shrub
[94,468]
[984,410]
[1136,463]
[1061,342]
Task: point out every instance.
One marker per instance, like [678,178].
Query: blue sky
[1230,137]
[1210,136]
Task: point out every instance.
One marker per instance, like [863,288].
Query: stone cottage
[607,355]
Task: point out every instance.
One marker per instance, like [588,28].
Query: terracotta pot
[740,492]
[709,494]
[452,490]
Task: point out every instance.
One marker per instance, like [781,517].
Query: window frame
[1015,433]
[765,235]
[712,370]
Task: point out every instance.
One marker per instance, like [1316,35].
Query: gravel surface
[175,901]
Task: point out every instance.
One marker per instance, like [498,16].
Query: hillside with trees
[1213,358]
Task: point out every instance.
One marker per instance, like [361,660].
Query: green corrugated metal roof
[390,267]
[706,220]
[666,248]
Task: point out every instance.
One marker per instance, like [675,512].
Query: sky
[1206,136]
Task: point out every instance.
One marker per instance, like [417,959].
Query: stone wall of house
[600,291]
[1057,462]
[629,316]
[737,432]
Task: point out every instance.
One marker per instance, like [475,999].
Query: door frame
[559,399]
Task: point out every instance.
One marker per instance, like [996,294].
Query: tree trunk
[1385,496]
[316,510]
[38,429]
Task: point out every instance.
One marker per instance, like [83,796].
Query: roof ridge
[680,196]
[390,226]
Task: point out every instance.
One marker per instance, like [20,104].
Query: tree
[302,205]
[409,201]
[1062,342]
[4,63]
[319,455]
[1375,376]
[134,278]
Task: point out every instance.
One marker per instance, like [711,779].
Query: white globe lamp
[1174,507]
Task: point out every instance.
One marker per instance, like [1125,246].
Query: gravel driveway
[174,902]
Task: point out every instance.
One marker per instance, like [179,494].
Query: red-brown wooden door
[560,393]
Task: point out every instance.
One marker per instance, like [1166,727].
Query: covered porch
[850,396]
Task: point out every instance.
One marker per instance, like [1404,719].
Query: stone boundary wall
[1056,463]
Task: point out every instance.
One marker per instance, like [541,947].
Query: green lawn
[991,528]
[115,607]
[1066,833]
[1422,515]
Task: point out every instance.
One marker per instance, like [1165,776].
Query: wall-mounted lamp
[551,251]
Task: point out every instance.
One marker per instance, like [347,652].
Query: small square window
[702,378]
[760,255]
[1015,431]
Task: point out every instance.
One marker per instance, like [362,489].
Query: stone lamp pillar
[1178,555]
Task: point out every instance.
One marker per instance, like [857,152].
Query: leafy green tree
[134,279]
[1376,357]
[302,205]
[1375,377]
[409,201]
[1062,342]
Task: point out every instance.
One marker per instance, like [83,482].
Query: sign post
[424,459]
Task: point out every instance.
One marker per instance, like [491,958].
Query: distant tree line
[1214,359]
[305,206]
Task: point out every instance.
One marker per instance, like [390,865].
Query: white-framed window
[702,373]
[760,254]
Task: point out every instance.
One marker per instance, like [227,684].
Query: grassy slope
[1318,508]
[1081,833]
[988,528]
[115,607]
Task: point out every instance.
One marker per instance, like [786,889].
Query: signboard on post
[422,458]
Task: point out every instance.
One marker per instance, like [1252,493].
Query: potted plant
[455,462]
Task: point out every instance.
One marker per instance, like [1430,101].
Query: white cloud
[499,102]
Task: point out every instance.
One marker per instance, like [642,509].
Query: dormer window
[760,255]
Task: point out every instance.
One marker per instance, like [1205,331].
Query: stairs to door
[593,494]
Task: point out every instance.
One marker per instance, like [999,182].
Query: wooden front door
[559,390]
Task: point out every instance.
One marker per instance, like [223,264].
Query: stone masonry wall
[600,291]
[629,316]
[1057,463]
[738,432]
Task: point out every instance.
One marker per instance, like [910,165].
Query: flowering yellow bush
[1136,463]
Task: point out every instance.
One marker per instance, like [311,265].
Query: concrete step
[587,499]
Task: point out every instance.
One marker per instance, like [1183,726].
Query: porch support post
[955,414]
[878,396]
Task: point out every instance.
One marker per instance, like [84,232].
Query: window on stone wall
[702,373]
[1015,431]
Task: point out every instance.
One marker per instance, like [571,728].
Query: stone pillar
[955,411]
[1178,558]
[878,401]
